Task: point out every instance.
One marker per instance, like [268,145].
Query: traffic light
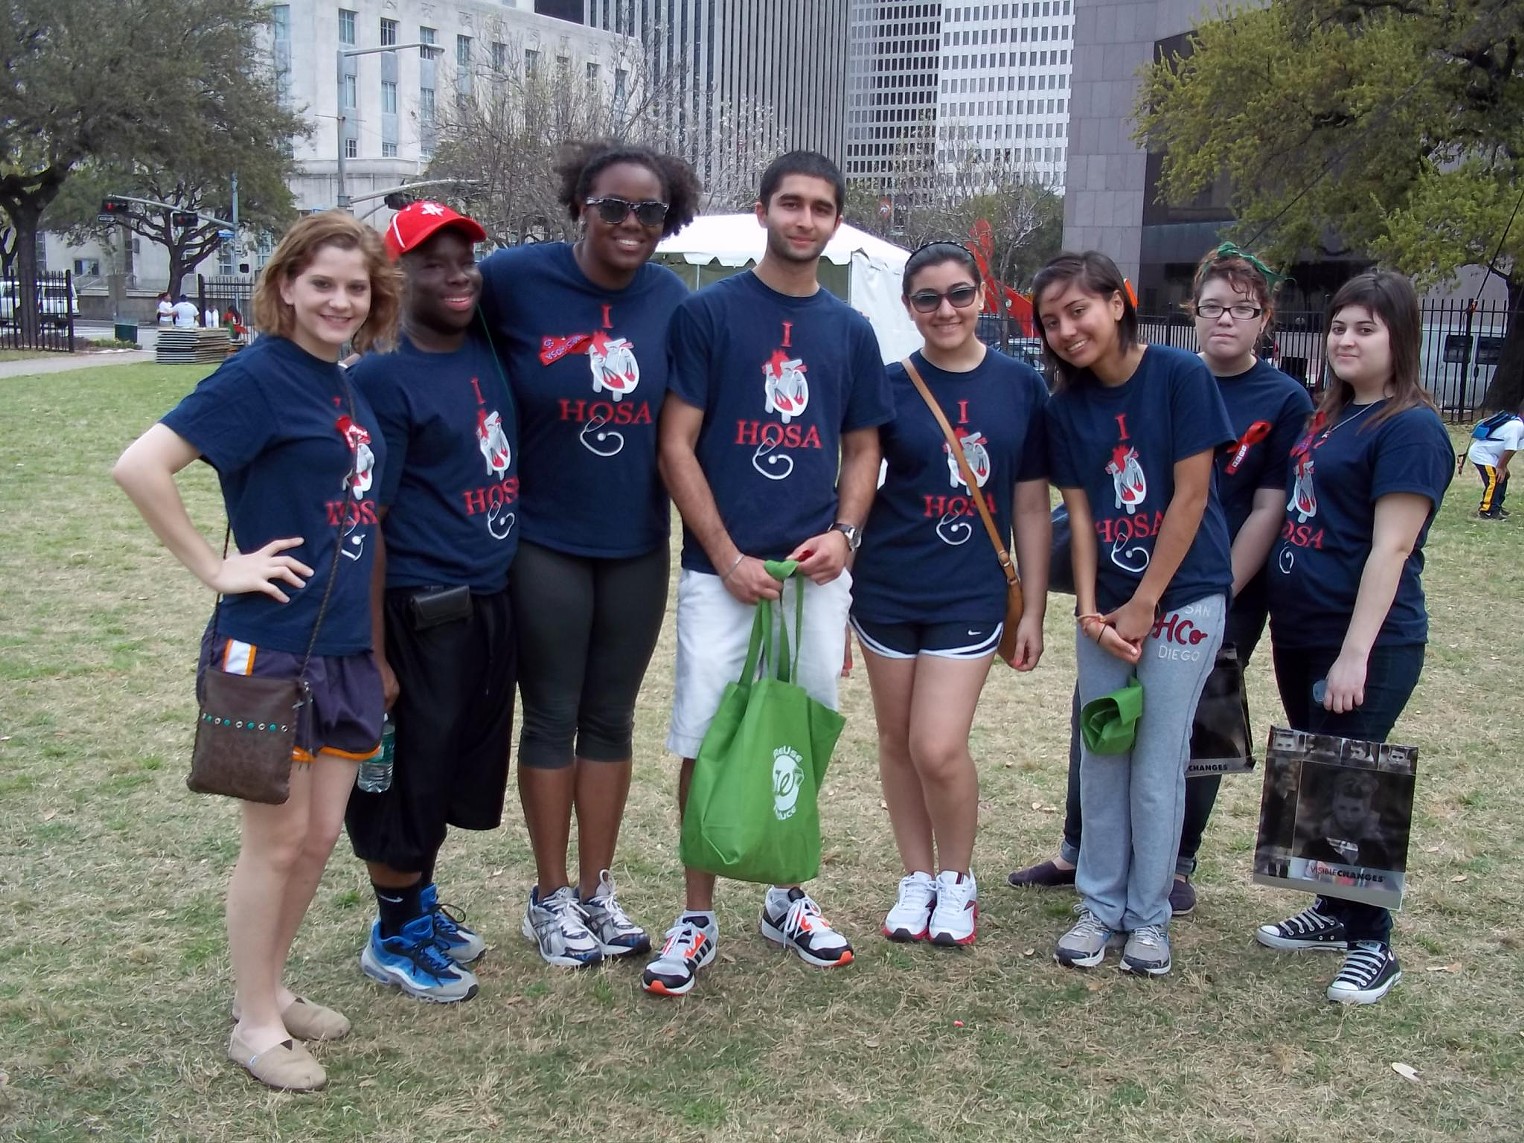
[116,207]
[185,219]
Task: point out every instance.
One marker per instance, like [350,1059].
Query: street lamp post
[343,54]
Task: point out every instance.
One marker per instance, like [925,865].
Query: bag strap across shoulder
[969,480]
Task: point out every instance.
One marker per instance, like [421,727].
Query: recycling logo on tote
[788,777]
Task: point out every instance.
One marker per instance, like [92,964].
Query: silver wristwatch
[851,532]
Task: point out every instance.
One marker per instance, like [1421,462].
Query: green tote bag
[753,812]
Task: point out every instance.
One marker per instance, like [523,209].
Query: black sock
[427,877]
[398,906]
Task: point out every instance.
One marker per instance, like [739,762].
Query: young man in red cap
[440,615]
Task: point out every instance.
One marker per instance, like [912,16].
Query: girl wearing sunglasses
[929,595]
[1133,430]
[583,330]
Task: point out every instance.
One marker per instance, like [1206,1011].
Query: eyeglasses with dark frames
[1243,311]
[928,301]
[615,210]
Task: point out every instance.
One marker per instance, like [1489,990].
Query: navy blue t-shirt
[589,372]
[1337,476]
[1267,411]
[275,422]
[779,380]
[1120,446]
[451,483]
[925,555]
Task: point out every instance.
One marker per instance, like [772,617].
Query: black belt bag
[434,606]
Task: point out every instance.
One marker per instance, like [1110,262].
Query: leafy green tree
[1391,127]
[131,84]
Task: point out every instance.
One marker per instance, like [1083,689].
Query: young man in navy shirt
[774,387]
[442,624]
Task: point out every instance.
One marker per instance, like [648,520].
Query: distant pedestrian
[1491,453]
[165,309]
[186,313]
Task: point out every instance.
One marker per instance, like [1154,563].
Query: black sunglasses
[928,301]
[615,210]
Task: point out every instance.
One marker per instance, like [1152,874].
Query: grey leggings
[586,628]
[1133,803]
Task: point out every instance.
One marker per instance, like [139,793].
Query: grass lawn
[114,986]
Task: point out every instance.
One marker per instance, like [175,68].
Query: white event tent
[857,267]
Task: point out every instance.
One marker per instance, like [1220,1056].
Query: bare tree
[503,134]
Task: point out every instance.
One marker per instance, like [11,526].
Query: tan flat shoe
[312,1022]
[286,1067]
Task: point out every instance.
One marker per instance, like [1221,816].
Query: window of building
[346,27]
[499,51]
[592,73]
[389,96]
[351,148]
[462,51]
[388,150]
[388,32]
[426,37]
[531,61]
[349,92]
[426,106]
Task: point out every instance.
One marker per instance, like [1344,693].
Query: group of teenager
[488,488]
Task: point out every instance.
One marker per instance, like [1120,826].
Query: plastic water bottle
[376,773]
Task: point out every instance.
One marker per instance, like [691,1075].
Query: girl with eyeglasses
[582,327]
[1133,430]
[1348,617]
[929,595]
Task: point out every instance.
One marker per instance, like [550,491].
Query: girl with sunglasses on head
[298,454]
[930,595]
[1232,300]
[1133,430]
[582,327]
[1348,619]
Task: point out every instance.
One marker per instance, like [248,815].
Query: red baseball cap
[417,222]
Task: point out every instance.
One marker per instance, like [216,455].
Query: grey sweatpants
[1133,803]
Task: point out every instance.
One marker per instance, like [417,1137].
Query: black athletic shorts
[454,723]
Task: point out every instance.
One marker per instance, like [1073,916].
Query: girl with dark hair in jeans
[1132,433]
[583,331]
[1347,612]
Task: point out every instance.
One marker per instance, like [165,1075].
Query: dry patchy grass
[113,974]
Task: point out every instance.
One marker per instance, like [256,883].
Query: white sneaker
[610,925]
[911,914]
[795,922]
[955,920]
[558,926]
[689,947]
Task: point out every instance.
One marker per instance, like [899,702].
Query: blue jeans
[1133,803]
[1245,625]
[1391,674]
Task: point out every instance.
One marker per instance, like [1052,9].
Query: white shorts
[714,630]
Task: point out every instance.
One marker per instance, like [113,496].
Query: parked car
[56,302]
[1457,367]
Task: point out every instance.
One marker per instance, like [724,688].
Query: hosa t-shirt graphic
[1267,411]
[293,459]
[452,482]
[1339,471]
[588,367]
[925,552]
[1120,445]
[779,379]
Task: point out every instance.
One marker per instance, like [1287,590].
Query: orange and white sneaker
[794,921]
[955,920]
[689,947]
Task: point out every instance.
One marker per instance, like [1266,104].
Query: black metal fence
[234,293]
[55,305]
[1457,357]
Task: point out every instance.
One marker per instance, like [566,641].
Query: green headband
[1230,250]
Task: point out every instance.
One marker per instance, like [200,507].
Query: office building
[721,66]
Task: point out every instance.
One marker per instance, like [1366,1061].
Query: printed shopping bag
[1220,738]
[1335,816]
[752,811]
